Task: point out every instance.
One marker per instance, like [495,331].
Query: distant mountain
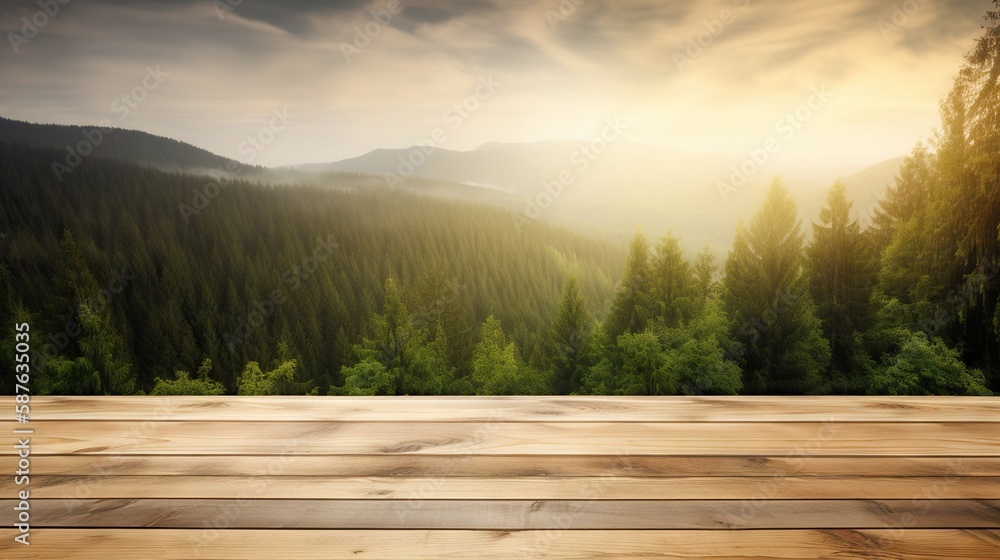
[136,147]
[508,167]
[564,181]
[605,188]
[866,187]
[131,146]
[697,195]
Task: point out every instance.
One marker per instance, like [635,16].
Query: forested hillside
[127,286]
[76,143]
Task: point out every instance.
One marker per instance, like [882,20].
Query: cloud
[561,74]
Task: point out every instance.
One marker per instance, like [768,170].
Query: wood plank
[770,477]
[518,409]
[499,438]
[563,488]
[180,544]
[507,466]
[511,514]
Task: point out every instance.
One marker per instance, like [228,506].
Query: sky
[858,81]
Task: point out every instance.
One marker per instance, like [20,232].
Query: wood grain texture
[235,544]
[519,409]
[252,513]
[508,466]
[562,488]
[513,477]
[542,438]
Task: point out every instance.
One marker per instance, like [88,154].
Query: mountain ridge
[607,188]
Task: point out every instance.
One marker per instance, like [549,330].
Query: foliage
[630,309]
[927,367]
[841,280]
[166,290]
[399,351]
[779,339]
[279,381]
[570,347]
[497,369]
[635,365]
[368,377]
[697,355]
[182,384]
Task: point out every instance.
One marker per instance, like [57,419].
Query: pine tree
[704,274]
[672,283]
[400,350]
[105,352]
[841,281]
[766,294]
[972,165]
[905,198]
[105,356]
[393,336]
[496,366]
[440,301]
[570,340]
[630,308]
[938,270]
[979,84]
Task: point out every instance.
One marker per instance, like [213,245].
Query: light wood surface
[504,438]
[511,477]
[523,409]
[526,488]
[247,513]
[237,544]
[507,466]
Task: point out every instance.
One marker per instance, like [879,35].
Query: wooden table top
[505,477]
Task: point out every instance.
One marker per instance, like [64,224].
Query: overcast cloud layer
[562,69]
